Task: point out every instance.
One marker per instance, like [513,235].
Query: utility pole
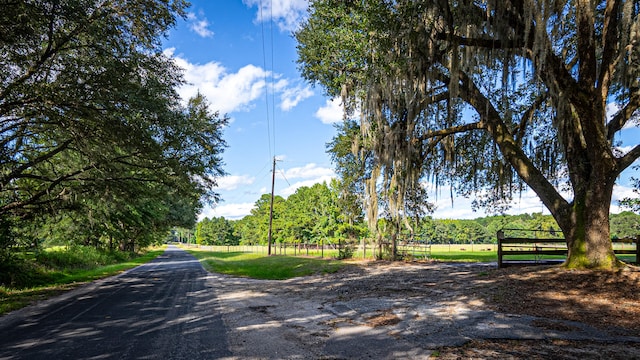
[273,181]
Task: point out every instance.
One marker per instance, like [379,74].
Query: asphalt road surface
[161,310]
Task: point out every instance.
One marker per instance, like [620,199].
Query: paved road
[161,310]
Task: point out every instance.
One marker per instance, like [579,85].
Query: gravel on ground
[390,310]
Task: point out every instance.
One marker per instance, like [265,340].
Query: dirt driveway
[381,310]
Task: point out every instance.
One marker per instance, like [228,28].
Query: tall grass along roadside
[30,277]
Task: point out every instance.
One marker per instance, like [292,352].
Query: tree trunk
[586,228]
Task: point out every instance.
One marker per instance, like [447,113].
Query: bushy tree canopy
[90,121]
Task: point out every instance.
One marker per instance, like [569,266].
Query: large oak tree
[489,96]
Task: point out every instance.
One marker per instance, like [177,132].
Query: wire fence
[364,249]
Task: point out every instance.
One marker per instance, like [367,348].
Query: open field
[453,252]
[438,252]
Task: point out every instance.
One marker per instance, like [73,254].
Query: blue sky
[241,56]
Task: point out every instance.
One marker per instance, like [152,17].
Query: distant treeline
[312,215]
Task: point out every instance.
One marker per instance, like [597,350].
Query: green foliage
[351,170]
[345,251]
[61,265]
[254,228]
[352,231]
[216,231]
[19,271]
[85,89]
[76,258]
[97,148]
[625,225]
[308,215]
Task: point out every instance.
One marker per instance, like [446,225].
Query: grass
[464,253]
[261,266]
[47,281]
[452,252]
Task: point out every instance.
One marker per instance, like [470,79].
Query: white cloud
[291,97]
[226,92]
[527,202]
[611,109]
[460,209]
[331,112]
[310,174]
[232,182]
[199,26]
[229,92]
[308,171]
[308,183]
[620,192]
[287,14]
[228,211]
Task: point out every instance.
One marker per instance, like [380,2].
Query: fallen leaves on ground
[604,299]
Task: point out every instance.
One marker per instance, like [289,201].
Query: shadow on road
[163,309]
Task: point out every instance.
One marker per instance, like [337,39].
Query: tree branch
[628,159]
[50,51]
[442,96]
[621,118]
[510,149]
[528,116]
[7,178]
[38,195]
[610,43]
[452,130]
[587,66]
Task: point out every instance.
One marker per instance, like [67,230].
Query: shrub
[18,272]
[74,257]
[345,252]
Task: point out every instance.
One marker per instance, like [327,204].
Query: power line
[284,177]
[271,133]
[269,86]
[256,178]
[273,63]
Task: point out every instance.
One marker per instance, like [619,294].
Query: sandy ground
[381,310]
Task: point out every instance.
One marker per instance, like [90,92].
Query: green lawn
[469,256]
[261,266]
[56,281]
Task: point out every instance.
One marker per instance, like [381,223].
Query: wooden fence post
[637,249]
[500,236]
